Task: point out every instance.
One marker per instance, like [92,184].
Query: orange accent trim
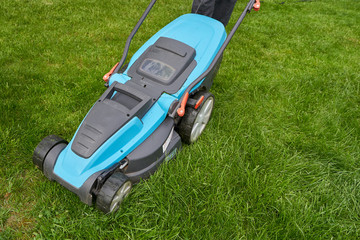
[257,5]
[181,109]
[107,76]
[198,103]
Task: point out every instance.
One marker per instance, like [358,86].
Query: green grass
[278,160]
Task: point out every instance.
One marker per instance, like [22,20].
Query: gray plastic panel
[171,52]
[173,148]
[151,149]
[108,115]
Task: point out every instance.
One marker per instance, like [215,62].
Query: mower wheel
[113,192]
[195,120]
[44,147]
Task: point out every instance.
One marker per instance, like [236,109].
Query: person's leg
[223,10]
[203,7]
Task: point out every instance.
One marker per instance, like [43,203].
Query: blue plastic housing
[206,36]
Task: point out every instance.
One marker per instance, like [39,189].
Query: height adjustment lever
[181,109]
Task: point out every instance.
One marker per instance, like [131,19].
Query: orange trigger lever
[107,76]
[257,5]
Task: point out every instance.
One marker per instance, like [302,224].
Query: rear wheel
[44,147]
[194,121]
[115,189]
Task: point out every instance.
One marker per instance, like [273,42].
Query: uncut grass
[279,158]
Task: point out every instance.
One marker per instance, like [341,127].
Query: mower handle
[128,41]
[251,4]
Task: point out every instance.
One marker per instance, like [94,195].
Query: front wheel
[44,148]
[194,121]
[115,189]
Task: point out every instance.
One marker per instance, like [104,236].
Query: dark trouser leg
[223,10]
[203,7]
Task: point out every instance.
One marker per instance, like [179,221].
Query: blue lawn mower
[158,100]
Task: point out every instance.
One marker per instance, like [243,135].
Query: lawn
[280,158]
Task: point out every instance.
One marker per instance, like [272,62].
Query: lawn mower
[152,104]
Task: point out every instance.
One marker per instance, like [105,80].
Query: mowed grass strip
[279,158]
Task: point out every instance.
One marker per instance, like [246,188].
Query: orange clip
[198,103]
[107,76]
[181,109]
[256,5]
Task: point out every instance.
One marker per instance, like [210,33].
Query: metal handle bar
[248,8]
[128,41]
[226,42]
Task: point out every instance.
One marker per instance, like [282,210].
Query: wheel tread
[109,189]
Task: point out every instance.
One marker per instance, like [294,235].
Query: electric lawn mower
[152,104]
